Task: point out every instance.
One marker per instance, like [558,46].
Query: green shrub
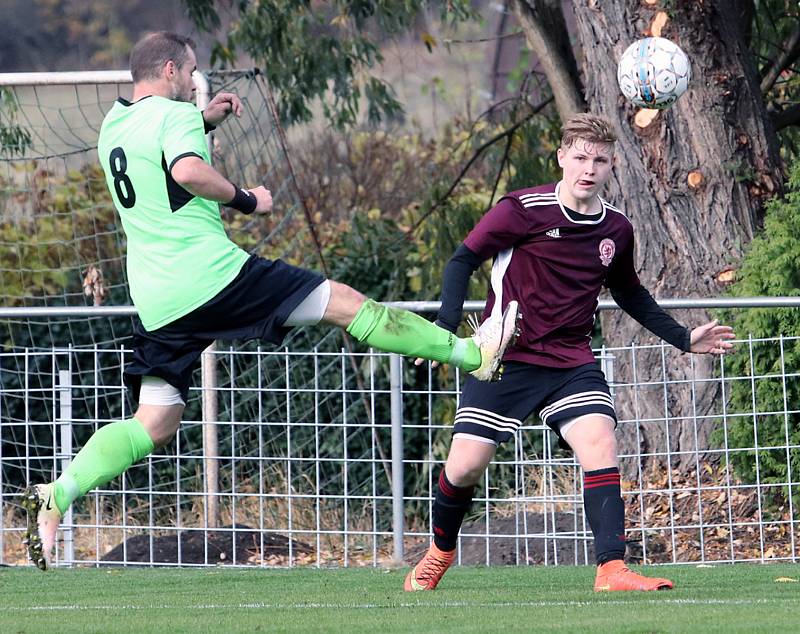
[771,267]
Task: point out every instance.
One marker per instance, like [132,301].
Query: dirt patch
[537,546]
[207,547]
[682,519]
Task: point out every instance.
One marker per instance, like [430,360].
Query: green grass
[725,598]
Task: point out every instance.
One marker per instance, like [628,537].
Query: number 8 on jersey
[118,164]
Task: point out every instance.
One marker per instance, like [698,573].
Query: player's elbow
[187,172]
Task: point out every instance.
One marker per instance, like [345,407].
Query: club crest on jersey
[607,250]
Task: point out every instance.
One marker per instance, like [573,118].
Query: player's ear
[170,69]
[560,156]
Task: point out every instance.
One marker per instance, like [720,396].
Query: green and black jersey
[178,254]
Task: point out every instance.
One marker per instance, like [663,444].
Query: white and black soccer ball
[653,72]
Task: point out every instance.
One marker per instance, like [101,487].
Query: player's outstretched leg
[43,518]
[110,451]
[615,576]
[404,332]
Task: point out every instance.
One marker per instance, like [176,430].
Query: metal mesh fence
[62,244]
[306,460]
[305,453]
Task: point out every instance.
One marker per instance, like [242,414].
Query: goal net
[62,246]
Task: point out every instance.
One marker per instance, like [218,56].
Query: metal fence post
[210,438]
[65,454]
[607,366]
[396,404]
[209,372]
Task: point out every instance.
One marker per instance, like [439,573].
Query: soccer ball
[653,72]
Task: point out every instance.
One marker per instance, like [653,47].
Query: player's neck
[148,89]
[587,207]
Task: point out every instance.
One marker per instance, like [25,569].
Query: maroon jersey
[554,262]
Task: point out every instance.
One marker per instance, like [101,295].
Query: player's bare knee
[348,295]
[464,475]
[343,305]
[164,434]
[467,461]
[602,446]
[160,422]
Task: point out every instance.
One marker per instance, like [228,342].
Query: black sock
[605,510]
[450,505]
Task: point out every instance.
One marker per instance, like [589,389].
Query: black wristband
[243,201]
[207,127]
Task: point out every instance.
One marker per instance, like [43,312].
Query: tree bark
[721,133]
[545,30]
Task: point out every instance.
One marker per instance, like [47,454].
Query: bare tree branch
[503,161]
[786,118]
[505,133]
[546,33]
[791,51]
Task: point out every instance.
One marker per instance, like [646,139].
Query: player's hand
[263,199]
[223,104]
[420,361]
[711,338]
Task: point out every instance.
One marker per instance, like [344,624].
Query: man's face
[586,167]
[180,78]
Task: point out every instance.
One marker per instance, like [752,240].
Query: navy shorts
[253,306]
[495,411]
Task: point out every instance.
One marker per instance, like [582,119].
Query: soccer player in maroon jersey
[554,248]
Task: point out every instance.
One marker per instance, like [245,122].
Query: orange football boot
[429,571]
[615,576]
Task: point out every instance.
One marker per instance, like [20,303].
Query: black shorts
[495,411]
[253,306]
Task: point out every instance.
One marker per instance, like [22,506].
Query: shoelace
[431,568]
[472,322]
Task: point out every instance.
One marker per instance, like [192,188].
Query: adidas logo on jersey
[553,233]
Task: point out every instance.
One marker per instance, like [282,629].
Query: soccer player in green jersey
[192,285]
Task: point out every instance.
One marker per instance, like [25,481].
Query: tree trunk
[542,22]
[687,229]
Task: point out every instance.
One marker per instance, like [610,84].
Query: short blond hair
[588,127]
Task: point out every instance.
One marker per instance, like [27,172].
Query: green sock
[110,451]
[404,332]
